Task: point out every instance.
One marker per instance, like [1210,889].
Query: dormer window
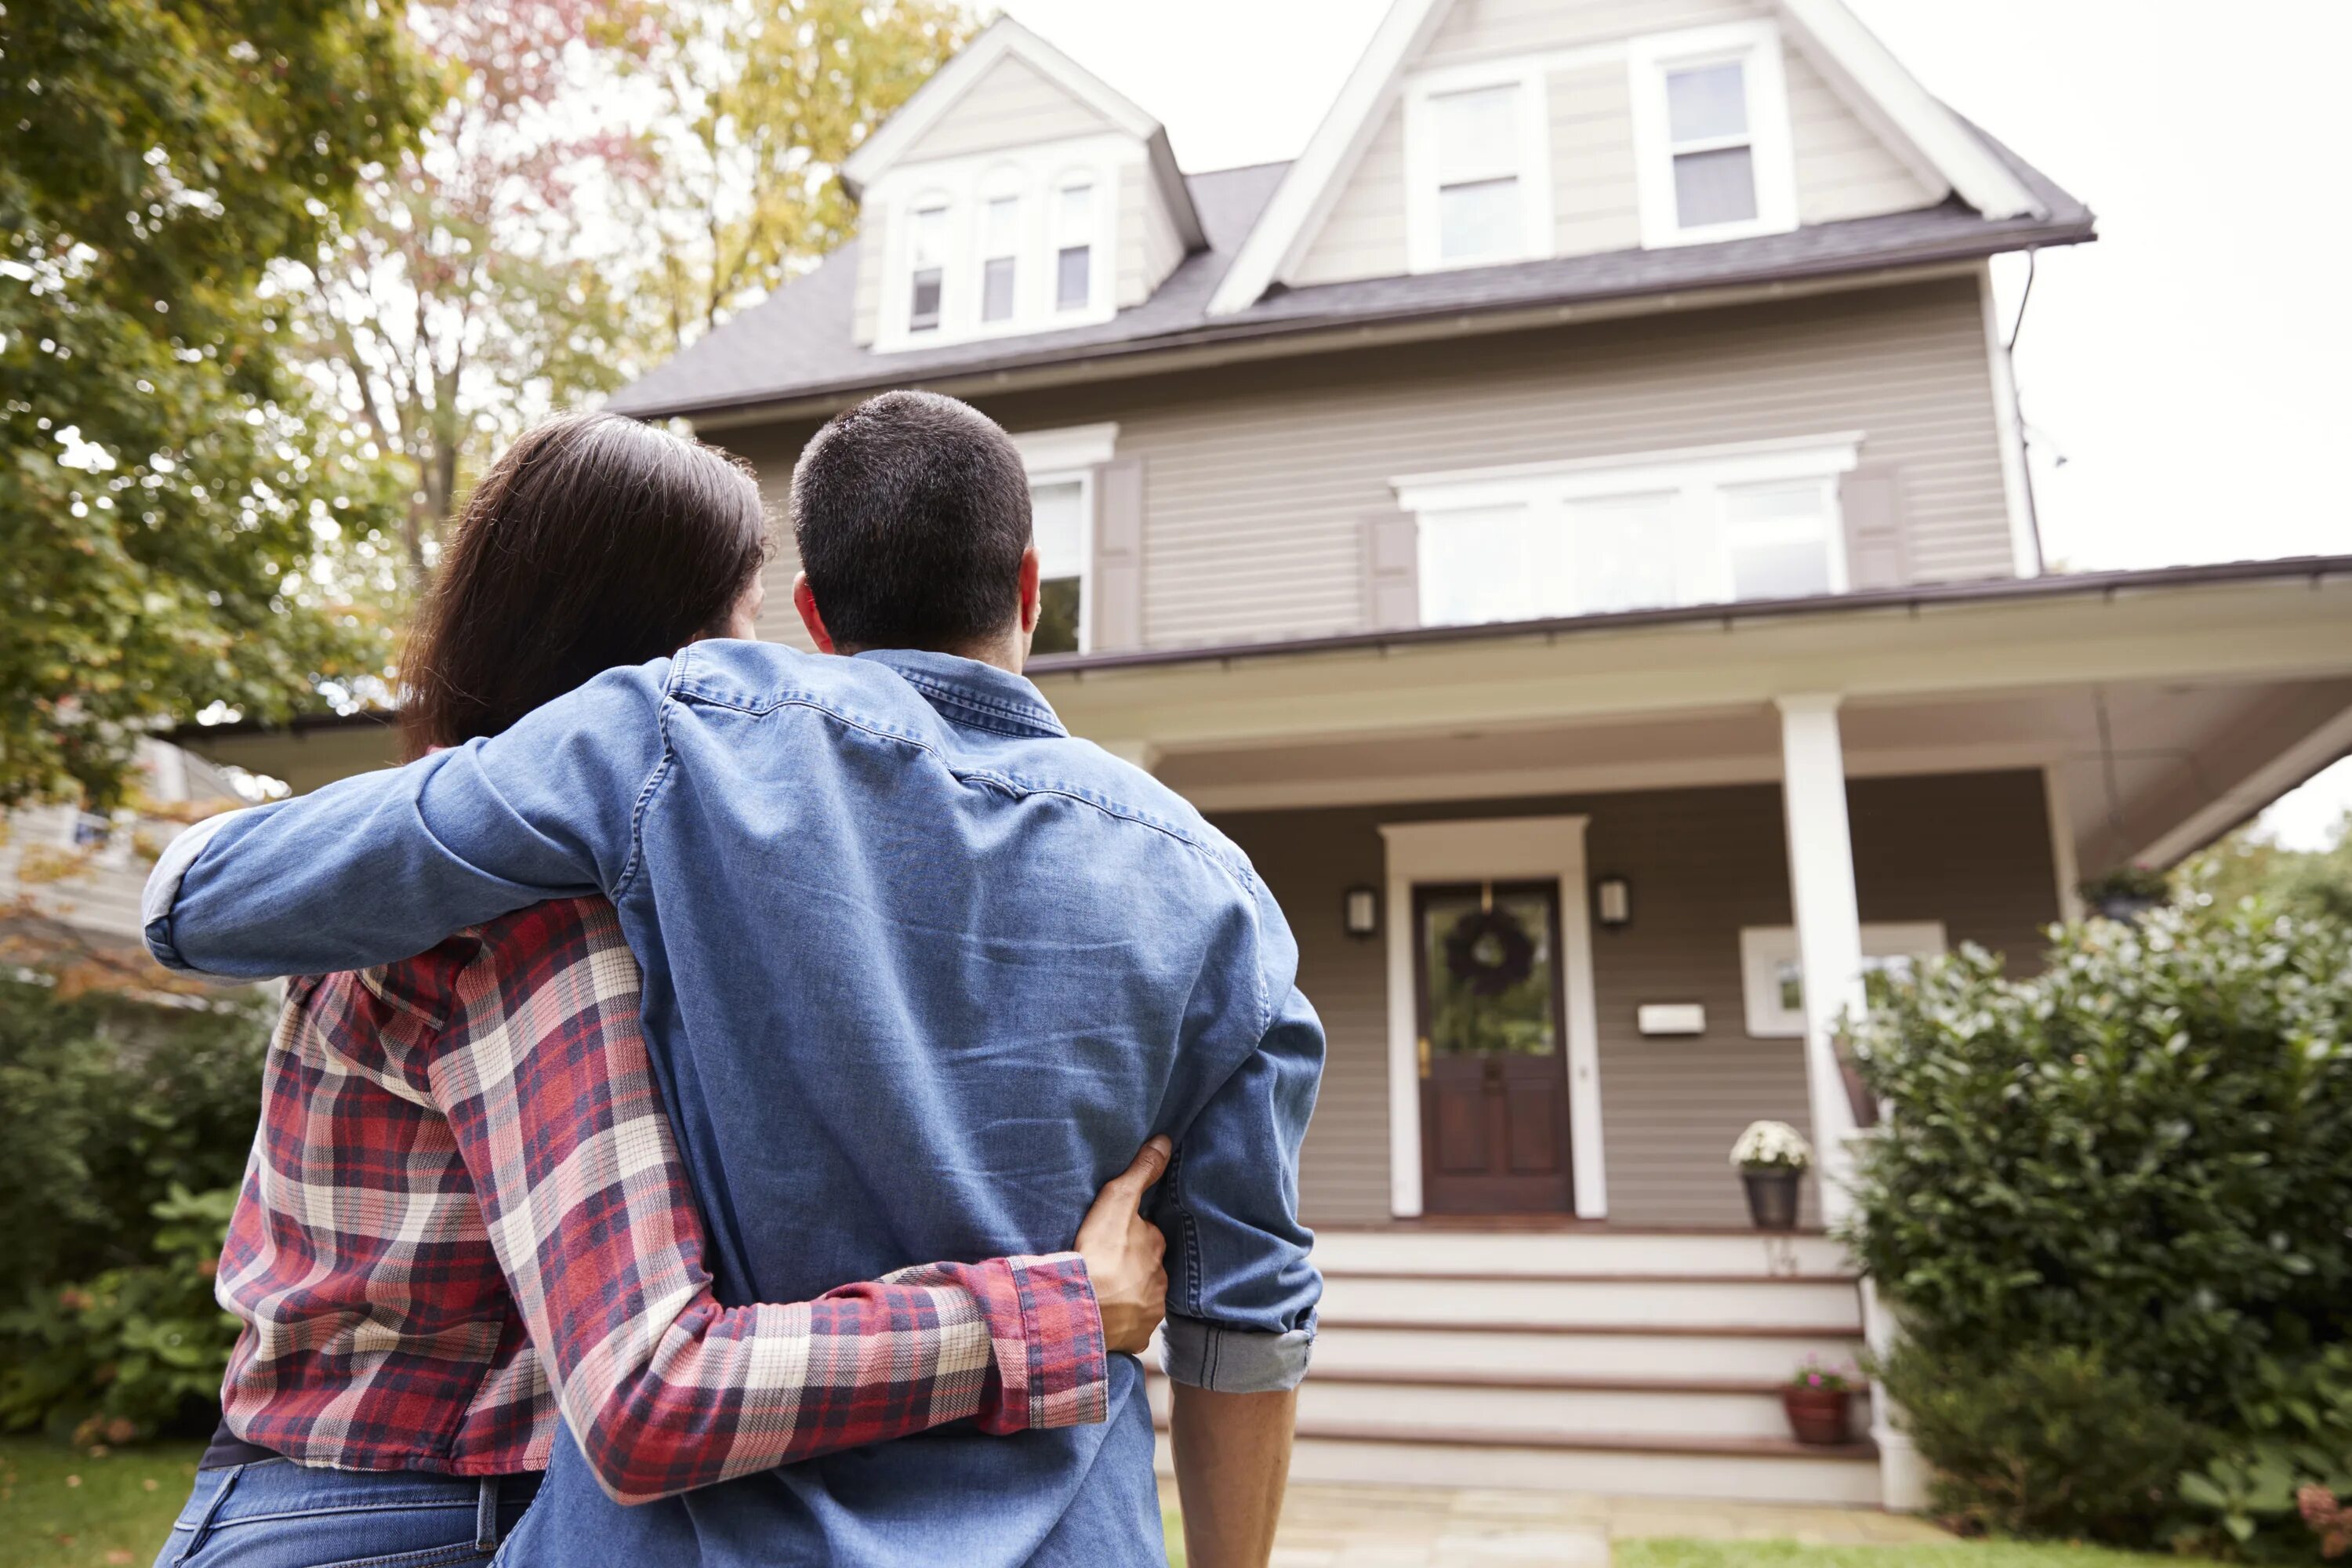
[927,254]
[1711,134]
[1000,257]
[1074,238]
[1477,169]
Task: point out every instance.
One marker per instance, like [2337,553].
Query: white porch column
[1829,948]
[1829,921]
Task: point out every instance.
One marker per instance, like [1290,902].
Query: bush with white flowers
[1772,1146]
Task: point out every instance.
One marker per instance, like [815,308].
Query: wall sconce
[1613,903]
[1362,910]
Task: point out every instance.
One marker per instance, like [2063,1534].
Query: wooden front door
[1494,1076]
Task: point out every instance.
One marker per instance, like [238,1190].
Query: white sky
[2189,367]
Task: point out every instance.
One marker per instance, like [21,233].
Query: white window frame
[1764,949]
[1073,452]
[1424,251]
[1757,46]
[1697,476]
[1035,175]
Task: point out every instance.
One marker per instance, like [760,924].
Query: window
[1074,229]
[998,255]
[1061,515]
[1476,171]
[1755,522]
[1714,156]
[1711,134]
[927,256]
[1477,174]
[1772,980]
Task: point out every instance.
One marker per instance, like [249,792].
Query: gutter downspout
[2017,410]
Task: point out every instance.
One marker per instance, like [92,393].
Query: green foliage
[134,1351]
[2257,1499]
[2040,1442]
[2313,882]
[2120,1183]
[166,483]
[105,1107]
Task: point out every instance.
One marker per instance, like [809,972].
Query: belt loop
[486,1516]
[204,1529]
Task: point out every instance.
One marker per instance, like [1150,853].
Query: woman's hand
[1123,1253]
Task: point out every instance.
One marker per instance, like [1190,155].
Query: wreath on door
[1489,950]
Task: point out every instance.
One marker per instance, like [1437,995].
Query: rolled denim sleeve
[379,867]
[1242,1291]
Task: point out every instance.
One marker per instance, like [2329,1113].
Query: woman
[466,1211]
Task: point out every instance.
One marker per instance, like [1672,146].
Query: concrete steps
[1606,1361]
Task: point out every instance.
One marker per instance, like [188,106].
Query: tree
[759,102]
[165,484]
[2248,864]
[470,289]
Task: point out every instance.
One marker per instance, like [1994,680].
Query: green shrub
[2143,1154]
[135,1352]
[2146,1150]
[2041,1441]
[104,1106]
[2287,1474]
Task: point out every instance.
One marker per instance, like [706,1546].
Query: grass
[62,1508]
[1955,1554]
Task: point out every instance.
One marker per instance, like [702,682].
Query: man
[921,972]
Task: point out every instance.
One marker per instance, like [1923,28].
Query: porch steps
[1640,1363]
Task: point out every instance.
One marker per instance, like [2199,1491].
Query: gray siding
[1257,479]
[1148,248]
[1363,233]
[1844,169]
[865,310]
[1970,850]
[1596,208]
[1012,106]
[1487,29]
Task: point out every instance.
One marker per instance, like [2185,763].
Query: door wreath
[1489,950]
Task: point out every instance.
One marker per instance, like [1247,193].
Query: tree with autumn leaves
[277,277]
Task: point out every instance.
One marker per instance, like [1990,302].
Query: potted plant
[1770,1156]
[2127,892]
[1820,1404]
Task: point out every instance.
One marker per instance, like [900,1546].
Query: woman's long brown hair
[594,541]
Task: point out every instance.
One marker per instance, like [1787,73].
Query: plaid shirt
[465,1209]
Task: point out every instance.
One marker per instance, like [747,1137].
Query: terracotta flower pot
[1820,1416]
[1771,1197]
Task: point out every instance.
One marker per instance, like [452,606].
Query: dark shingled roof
[797,343]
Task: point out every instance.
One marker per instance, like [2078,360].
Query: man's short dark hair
[912,512]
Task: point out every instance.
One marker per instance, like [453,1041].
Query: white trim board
[1499,848]
[2016,483]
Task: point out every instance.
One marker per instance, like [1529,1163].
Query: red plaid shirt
[465,1209]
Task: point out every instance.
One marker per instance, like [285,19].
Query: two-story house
[1571,528]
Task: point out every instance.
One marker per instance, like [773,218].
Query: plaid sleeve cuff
[1053,1369]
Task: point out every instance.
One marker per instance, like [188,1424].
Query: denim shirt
[921,972]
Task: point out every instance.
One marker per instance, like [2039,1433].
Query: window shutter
[1872,501]
[1391,570]
[1117,588]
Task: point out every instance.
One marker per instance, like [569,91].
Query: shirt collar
[972,692]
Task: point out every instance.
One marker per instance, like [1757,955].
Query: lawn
[60,1507]
[1956,1554]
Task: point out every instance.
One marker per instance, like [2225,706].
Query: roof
[797,344]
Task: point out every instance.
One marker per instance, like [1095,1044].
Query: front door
[1493,1078]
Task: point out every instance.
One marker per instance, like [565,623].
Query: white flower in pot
[1770,1156]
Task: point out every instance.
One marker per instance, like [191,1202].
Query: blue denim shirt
[921,972]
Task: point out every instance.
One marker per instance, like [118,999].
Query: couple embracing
[677,1150]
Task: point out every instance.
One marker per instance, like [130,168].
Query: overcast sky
[2190,368]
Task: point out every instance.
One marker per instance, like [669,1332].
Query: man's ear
[805,601]
[1032,596]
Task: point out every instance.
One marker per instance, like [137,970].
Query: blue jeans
[279,1514]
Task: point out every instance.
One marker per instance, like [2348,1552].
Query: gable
[1577,51]
[1014,104]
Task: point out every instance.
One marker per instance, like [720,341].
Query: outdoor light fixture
[1363,911]
[1613,903]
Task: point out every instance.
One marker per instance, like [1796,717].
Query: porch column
[1144,754]
[1829,921]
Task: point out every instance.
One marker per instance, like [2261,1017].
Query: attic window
[927,252]
[1073,229]
[1000,256]
[1477,168]
[1711,134]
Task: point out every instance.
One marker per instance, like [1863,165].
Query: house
[1571,528]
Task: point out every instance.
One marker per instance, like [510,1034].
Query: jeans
[279,1514]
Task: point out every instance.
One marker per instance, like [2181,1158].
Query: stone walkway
[1402,1527]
